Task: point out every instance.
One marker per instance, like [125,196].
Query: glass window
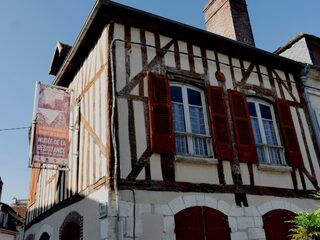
[189,118]
[265,132]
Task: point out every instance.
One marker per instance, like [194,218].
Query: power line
[12,129]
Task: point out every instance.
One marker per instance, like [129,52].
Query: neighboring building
[11,223]
[20,206]
[179,134]
[305,48]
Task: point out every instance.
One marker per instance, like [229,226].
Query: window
[190,121]
[265,132]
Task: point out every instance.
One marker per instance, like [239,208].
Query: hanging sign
[50,133]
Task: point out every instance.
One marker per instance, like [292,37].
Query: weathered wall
[88,156]
[133,60]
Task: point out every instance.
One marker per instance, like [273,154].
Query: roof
[6,208]
[106,11]
[59,56]
[295,39]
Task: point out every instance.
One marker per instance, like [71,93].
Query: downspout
[113,133]
[314,122]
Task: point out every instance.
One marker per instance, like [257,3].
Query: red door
[276,225]
[201,223]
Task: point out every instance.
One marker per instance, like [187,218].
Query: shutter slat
[289,136]
[161,123]
[219,123]
[246,146]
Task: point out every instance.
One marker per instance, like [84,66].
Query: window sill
[196,160]
[274,168]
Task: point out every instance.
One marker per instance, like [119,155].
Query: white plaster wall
[212,68]
[183,57]
[124,150]
[190,172]
[198,60]
[93,227]
[298,51]
[272,178]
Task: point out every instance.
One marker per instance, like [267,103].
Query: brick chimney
[230,19]
[1,183]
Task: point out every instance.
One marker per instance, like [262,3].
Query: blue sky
[30,29]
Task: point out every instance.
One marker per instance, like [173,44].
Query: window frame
[188,133]
[265,146]
[317,111]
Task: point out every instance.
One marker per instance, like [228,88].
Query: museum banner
[50,130]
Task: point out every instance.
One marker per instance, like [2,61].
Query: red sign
[51,134]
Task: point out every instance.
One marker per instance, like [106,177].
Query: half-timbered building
[179,133]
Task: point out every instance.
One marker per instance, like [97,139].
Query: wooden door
[276,225]
[201,223]
[216,225]
[71,232]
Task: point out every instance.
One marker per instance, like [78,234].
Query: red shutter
[219,123]
[161,124]
[291,144]
[242,127]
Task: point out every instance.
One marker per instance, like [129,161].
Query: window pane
[265,111]
[252,109]
[178,117]
[261,155]
[274,154]
[269,132]
[256,130]
[199,146]
[181,144]
[197,120]
[194,97]
[176,94]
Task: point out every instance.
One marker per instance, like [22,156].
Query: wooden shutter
[291,144]
[219,123]
[242,127]
[161,123]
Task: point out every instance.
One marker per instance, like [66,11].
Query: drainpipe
[314,121]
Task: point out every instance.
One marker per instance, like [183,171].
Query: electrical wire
[13,129]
